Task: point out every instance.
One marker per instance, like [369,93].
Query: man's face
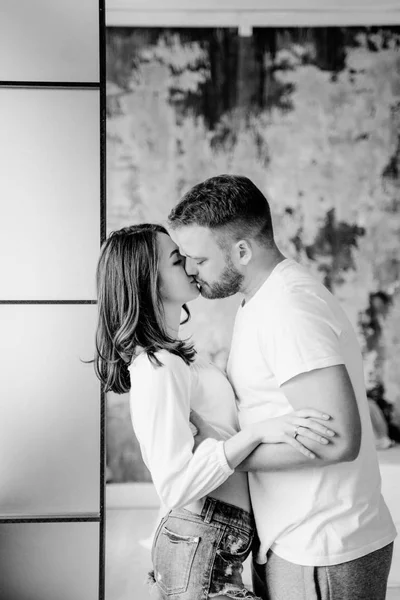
[210,265]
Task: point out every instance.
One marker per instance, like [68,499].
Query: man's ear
[243,252]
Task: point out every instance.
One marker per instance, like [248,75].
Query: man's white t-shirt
[318,515]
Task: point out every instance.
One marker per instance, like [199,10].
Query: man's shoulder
[293,291]
[297,284]
[295,276]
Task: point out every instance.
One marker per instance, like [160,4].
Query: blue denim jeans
[196,557]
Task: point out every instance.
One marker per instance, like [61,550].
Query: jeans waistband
[221,512]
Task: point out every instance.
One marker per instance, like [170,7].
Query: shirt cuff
[221,458]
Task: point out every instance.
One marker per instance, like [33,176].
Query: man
[324,528]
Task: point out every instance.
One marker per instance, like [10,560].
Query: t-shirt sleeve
[160,407]
[302,336]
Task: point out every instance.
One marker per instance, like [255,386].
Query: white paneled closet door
[51,226]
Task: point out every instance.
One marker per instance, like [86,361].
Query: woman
[200,545]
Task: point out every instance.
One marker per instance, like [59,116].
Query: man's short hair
[229,204]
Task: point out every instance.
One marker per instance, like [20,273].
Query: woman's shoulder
[162,359]
[151,380]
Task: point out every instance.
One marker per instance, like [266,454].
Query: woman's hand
[204,429]
[285,429]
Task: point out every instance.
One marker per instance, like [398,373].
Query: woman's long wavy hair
[130,310]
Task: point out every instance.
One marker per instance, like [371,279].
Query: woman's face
[175,285]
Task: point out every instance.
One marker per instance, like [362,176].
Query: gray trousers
[362,579]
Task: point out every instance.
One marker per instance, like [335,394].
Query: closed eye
[200,262]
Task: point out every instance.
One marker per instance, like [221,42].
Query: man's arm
[328,390]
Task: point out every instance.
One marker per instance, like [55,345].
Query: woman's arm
[278,430]
[236,448]
[160,407]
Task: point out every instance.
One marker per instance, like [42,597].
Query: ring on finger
[296,431]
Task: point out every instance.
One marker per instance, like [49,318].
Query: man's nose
[190,267]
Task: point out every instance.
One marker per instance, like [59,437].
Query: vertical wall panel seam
[103,229]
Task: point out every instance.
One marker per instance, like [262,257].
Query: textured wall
[312,116]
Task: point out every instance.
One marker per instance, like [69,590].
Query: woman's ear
[244,252]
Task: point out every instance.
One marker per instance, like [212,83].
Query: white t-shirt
[318,515]
[160,401]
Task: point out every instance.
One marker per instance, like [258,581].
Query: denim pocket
[235,545]
[156,534]
[173,559]
[226,577]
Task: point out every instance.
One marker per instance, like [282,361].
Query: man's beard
[228,285]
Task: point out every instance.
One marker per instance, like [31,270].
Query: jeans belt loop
[209,507]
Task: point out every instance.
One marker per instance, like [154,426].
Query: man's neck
[262,269]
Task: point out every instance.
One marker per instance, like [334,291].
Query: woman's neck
[172,314]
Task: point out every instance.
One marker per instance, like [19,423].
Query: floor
[128,560]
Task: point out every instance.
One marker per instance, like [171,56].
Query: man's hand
[204,429]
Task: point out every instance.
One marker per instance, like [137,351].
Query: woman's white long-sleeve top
[160,401]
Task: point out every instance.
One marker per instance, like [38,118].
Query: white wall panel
[49,411]
[49,561]
[49,190]
[49,40]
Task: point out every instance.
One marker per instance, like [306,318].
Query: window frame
[260,13]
